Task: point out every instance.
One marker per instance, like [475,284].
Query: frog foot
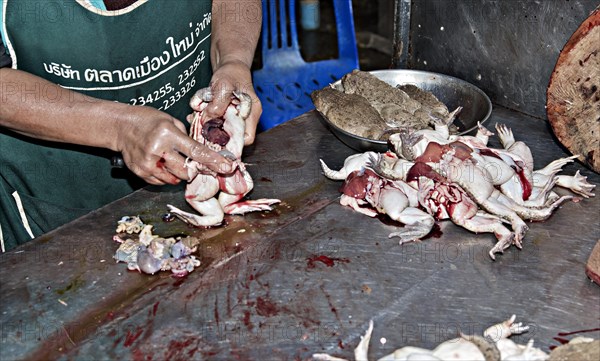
[505,134]
[577,184]
[505,329]
[248,206]
[555,166]
[483,130]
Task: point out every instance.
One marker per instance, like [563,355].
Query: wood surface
[592,268]
[573,97]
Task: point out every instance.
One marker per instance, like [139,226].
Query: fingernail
[227,167]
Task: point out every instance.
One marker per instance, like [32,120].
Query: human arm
[235,31]
[40,109]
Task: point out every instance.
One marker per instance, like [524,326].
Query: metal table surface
[261,295]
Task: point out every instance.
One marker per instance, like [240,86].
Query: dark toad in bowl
[394,100]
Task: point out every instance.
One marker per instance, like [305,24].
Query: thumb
[222,99]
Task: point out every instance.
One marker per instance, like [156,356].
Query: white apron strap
[22,213]
[2,249]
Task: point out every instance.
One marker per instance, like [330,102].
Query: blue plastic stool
[285,82]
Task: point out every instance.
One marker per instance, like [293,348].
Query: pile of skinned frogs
[150,253]
[495,345]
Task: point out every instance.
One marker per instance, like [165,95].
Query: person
[85,80]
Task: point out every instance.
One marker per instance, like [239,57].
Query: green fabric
[155,55]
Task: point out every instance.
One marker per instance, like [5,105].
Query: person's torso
[153,53]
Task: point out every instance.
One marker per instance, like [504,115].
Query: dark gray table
[258,296]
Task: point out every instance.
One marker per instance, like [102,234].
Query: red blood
[139,356]
[155,308]
[561,340]
[329,262]
[265,307]
[161,163]
[177,348]
[524,184]
[580,331]
[247,322]
[130,338]
[436,232]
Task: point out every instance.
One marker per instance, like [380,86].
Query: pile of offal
[149,253]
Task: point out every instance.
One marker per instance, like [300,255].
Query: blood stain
[155,308]
[130,338]
[328,261]
[265,307]
[176,349]
[580,331]
[246,320]
[385,219]
[436,232]
[561,340]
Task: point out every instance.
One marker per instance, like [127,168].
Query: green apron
[153,53]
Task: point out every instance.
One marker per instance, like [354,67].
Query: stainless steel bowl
[451,91]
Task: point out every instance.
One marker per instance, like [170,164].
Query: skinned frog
[500,181]
[509,168]
[383,183]
[495,345]
[214,195]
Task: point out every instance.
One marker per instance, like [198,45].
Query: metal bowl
[451,91]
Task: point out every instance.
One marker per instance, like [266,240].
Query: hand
[154,144]
[230,76]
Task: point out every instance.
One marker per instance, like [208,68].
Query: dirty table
[304,278]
